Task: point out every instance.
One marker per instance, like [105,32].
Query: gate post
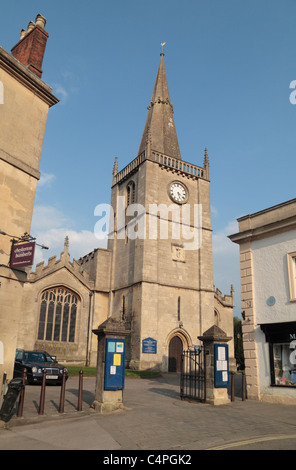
[217,365]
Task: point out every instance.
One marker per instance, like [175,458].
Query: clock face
[178,192]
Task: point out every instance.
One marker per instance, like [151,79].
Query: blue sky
[229,64]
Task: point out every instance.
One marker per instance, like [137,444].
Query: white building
[267,242]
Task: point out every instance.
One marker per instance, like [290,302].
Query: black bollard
[232,386]
[22,395]
[42,394]
[79,407]
[243,386]
[62,395]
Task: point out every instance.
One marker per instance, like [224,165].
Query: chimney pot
[31,26]
[40,21]
[23,33]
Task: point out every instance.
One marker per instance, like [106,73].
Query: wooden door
[175,353]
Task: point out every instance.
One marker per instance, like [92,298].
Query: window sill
[283,386]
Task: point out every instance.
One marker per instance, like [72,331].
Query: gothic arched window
[130,193]
[216,318]
[58,311]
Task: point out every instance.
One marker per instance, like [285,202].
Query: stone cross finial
[206,158]
[66,244]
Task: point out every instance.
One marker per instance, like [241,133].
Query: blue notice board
[149,346]
[114,364]
[221,365]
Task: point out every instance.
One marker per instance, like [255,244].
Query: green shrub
[92,371]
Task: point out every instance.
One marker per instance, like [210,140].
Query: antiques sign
[22,254]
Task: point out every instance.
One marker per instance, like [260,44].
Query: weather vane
[162,44]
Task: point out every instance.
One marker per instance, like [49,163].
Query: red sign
[22,255]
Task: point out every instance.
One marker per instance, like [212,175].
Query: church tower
[161,242]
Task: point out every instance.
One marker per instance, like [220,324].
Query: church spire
[160,121]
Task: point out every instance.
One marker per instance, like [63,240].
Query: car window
[34,357]
[49,358]
[18,355]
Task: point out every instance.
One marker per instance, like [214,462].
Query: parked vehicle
[35,362]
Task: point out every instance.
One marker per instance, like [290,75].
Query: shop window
[281,338]
[57,320]
[283,364]
[291,262]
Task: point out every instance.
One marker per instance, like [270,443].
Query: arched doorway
[175,353]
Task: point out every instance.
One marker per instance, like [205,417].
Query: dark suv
[35,362]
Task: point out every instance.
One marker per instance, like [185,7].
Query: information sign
[149,346]
[221,362]
[114,364]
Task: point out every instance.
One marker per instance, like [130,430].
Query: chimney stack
[31,47]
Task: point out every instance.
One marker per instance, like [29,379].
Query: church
[156,274]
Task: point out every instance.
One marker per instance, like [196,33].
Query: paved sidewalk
[154,418]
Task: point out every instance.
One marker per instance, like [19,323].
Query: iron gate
[193,372]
